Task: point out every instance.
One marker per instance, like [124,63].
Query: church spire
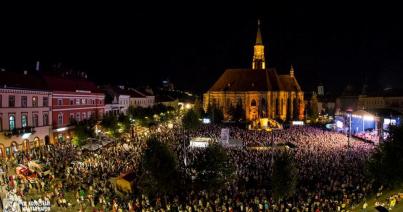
[292,71]
[258,54]
[259,34]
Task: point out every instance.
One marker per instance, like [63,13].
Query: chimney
[25,72]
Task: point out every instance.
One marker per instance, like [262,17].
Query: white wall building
[117,100]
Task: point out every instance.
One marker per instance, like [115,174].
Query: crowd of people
[330,172]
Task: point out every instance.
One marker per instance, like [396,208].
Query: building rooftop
[57,83]
[31,80]
[254,80]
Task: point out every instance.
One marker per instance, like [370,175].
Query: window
[11,101]
[24,120]
[60,119]
[35,121]
[71,101]
[78,117]
[35,101]
[71,116]
[77,101]
[11,122]
[253,103]
[45,119]
[1,101]
[45,101]
[83,101]
[84,116]
[59,101]
[89,114]
[24,101]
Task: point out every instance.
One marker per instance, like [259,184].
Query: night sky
[124,44]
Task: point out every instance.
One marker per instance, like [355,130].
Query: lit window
[12,122]
[24,120]
[34,101]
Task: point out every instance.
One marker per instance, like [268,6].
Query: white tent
[91,147]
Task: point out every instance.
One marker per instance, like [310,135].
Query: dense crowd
[330,175]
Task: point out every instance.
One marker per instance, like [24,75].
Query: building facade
[73,99]
[386,99]
[261,91]
[141,99]
[117,100]
[25,113]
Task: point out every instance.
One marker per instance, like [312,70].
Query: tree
[198,107]
[110,123]
[215,113]
[159,173]
[82,131]
[213,168]
[386,164]
[284,176]
[237,113]
[124,122]
[190,120]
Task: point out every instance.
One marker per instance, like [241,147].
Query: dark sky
[332,44]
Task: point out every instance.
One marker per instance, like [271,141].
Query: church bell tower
[258,53]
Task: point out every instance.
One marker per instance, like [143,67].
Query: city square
[268,128]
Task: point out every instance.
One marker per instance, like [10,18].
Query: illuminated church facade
[262,92]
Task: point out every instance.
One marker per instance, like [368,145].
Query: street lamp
[349,128]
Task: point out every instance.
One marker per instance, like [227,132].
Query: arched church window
[253,103]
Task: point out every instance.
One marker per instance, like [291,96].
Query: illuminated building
[261,91]
[25,112]
[143,99]
[73,99]
[117,100]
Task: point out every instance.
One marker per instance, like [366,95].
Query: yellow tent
[125,182]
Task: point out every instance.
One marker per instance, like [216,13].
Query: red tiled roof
[289,83]
[249,80]
[32,80]
[65,84]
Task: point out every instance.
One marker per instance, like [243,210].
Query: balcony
[19,131]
